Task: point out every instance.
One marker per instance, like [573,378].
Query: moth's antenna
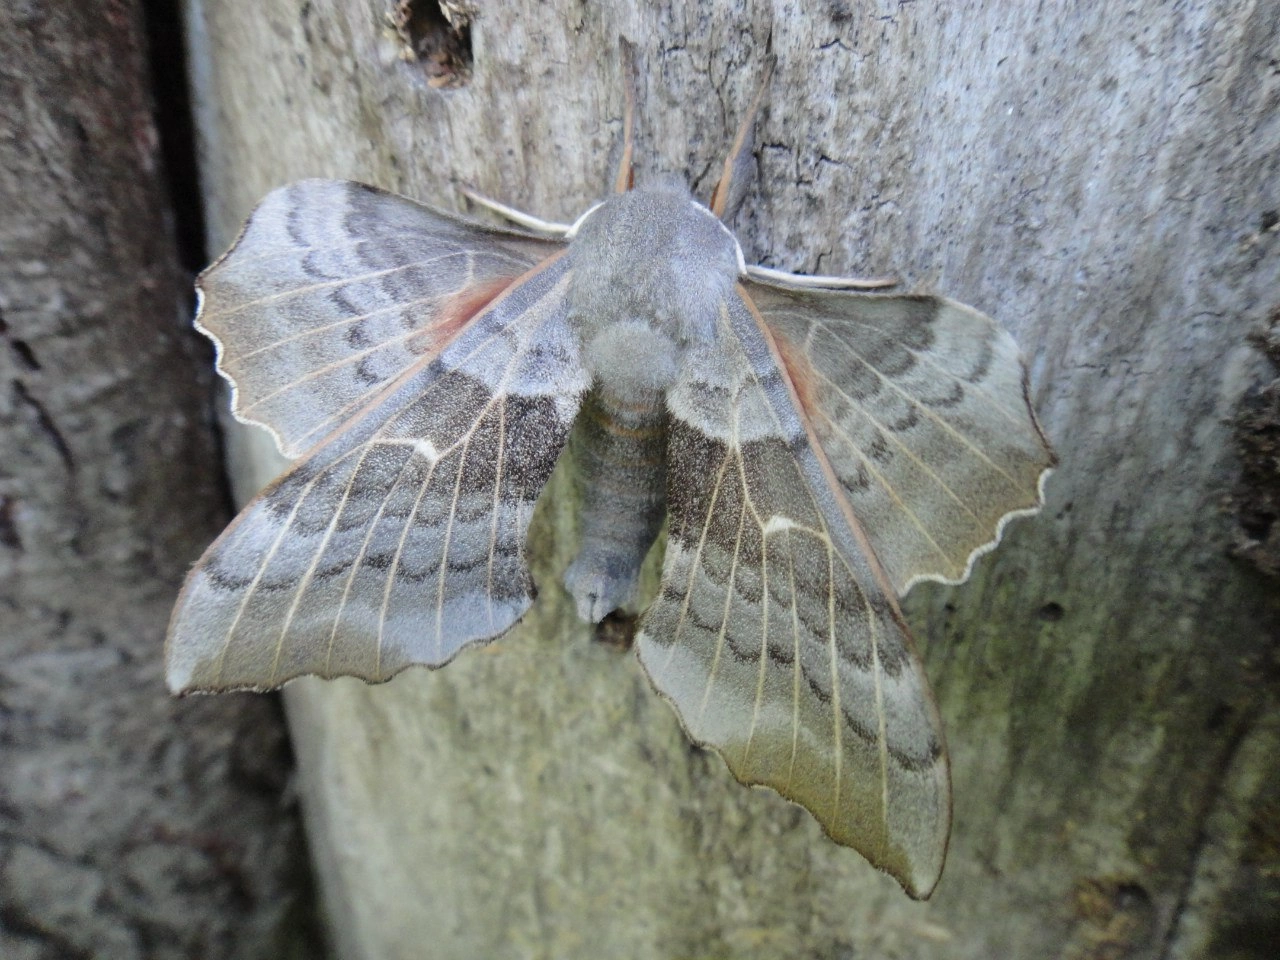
[626,178]
[728,194]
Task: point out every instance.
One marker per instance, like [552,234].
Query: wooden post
[132,825]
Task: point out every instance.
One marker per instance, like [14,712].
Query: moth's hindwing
[920,406]
[400,539]
[333,289]
[776,635]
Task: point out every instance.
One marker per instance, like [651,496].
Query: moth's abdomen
[619,451]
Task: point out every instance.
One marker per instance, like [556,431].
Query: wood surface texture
[132,825]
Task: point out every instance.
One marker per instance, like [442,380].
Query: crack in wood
[44,420]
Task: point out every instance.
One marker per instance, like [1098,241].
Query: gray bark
[1103,181]
[131,825]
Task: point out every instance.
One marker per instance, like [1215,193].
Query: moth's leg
[732,187]
[626,177]
[821,282]
[526,220]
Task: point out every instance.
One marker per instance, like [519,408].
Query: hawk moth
[814,452]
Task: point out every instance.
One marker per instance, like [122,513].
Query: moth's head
[654,257]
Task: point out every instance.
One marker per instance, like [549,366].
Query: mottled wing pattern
[775,634]
[333,289]
[400,540]
[920,405]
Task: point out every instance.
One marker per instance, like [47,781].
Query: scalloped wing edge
[915,890]
[1004,521]
[219,348]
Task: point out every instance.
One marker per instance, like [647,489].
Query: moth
[814,451]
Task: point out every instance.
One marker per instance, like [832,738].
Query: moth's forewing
[400,539]
[775,634]
[334,289]
[920,405]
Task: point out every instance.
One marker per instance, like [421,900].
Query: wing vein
[882,742]
[915,519]
[257,578]
[696,560]
[764,643]
[295,292]
[928,413]
[305,582]
[796,670]
[922,356]
[294,249]
[360,555]
[728,601]
[394,567]
[833,653]
[353,318]
[497,504]
[448,531]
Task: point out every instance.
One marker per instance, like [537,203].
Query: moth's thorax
[649,270]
